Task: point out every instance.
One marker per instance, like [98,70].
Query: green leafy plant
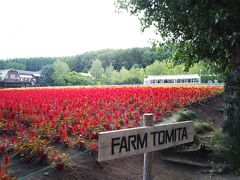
[183,115]
[201,127]
[227,149]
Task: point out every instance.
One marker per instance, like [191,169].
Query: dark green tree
[36,64]
[206,30]
[15,65]
[46,75]
[2,64]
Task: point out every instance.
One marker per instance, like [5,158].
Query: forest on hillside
[139,57]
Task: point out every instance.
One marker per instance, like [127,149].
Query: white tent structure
[170,79]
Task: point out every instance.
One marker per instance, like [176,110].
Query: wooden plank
[127,142]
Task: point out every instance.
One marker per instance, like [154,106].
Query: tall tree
[109,75]
[60,70]
[157,68]
[204,30]
[136,75]
[97,70]
[46,74]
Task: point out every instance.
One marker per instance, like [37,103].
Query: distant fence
[168,84]
[187,84]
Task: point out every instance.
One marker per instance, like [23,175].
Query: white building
[168,79]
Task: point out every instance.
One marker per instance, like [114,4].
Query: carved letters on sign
[121,143]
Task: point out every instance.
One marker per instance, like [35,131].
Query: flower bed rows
[32,120]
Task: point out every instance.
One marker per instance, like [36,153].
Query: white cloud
[31,28]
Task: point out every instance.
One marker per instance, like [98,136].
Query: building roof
[25,75]
[35,73]
[179,76]
[4,72]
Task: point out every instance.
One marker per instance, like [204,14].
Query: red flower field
[33,120]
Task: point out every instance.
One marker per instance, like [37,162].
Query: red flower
[6,160]
[60,166]
[1,173]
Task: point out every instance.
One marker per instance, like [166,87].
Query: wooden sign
[127,142]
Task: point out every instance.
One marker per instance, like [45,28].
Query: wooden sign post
[127,142]
[148,157]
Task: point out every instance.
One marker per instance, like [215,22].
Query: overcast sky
[33,28]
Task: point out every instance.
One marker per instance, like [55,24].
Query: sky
[50,28]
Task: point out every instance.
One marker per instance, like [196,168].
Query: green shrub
[227,149]
[184,115]
[74,78]
[201,127]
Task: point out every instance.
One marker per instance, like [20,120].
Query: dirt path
[130,168]
[211,110]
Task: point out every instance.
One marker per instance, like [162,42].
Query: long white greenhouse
[166,79]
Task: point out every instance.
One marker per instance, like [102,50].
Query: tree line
[140,57]
[59,74]
[109,66]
